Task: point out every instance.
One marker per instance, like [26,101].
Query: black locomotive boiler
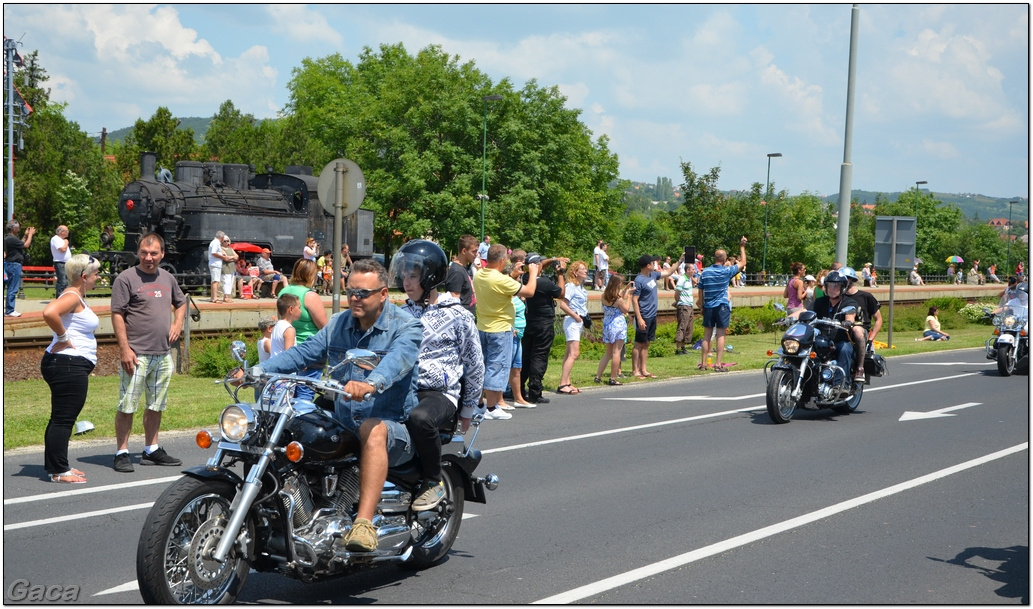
[274,210]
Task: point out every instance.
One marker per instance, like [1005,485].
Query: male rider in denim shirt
[371,322]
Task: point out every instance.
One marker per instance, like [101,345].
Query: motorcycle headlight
[236,422]
[791,346]
[1009,322]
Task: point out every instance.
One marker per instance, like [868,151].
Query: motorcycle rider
[869,315]
[370,322]
[450,364]
[836,301]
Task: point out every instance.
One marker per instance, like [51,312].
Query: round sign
[354,187]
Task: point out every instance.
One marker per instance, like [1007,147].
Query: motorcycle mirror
[238,349]
[779,306]
[846,311]
[363,358]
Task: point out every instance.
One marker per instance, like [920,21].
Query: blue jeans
[497,348]
[62,278]
[13,270]
[845,359]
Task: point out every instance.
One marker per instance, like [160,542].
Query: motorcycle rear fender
[473,490]
[203,472]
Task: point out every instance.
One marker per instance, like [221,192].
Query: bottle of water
[710,360]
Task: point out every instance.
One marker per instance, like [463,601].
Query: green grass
[195,403]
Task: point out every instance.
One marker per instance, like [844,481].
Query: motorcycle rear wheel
[854,401]
[1005,362]
[435,541]
[779,398]
[180,529]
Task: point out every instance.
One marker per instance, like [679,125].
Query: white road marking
[134,585]
[935,414]
[694,398]
[675,562]
[170,479]
[609,432]
[94,489]
[45,521]
[948,364]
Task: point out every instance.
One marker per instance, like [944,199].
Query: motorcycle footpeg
[490,481]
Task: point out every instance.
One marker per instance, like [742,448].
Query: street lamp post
[1007,266]
[918,189]
[767,206]
[483,196]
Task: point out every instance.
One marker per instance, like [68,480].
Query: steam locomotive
[278,211]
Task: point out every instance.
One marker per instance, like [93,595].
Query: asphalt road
[669,492]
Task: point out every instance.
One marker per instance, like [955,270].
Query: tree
[159,134]
[415,124]
[59,157]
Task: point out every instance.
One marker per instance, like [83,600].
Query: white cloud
[940,150]
[303,24]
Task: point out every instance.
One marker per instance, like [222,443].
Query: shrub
[974,313]
[945,303]
[211,358]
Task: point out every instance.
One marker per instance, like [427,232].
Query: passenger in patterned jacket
[450,366]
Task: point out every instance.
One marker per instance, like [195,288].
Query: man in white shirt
[602,264]
[61,252]
[215,259]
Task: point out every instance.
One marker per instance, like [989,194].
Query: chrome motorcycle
[296,494]
[804,373]
[1009,345]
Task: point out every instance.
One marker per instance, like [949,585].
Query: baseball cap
[266,250]
[808,278]
[266,323]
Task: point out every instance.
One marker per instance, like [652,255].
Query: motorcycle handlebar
[331,386]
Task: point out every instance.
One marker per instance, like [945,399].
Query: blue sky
[942,90]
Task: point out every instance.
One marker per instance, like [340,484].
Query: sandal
[721,368]
[571,390]
[68,478]
[702,367]
[614,383]
[649,375]
[597,379]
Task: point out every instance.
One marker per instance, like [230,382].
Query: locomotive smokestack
[148,161]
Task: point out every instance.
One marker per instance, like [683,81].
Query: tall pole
[918,191]
[1007,266]
[846,170]
[484,159]
[767,206]
[9,50]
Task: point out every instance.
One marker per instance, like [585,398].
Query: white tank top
[262,353]
[277,345]
[80,328]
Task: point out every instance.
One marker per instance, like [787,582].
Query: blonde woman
[67,364]
[577,300]
[616,304]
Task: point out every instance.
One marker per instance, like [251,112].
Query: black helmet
[426,258]
[837,277]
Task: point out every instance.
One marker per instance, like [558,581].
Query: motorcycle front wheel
[780,402]
[437,529]
[173,564]
[1005,362]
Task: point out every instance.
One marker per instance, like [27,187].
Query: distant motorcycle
[805,371]
[1009,345]
[298,494]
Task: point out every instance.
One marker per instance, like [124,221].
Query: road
[670,492]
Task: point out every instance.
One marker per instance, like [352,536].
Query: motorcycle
[1009,345]
[805,373]
[297,495]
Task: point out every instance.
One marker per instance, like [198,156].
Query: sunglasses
[363,294]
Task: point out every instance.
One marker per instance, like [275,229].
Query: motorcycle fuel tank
[321,435]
